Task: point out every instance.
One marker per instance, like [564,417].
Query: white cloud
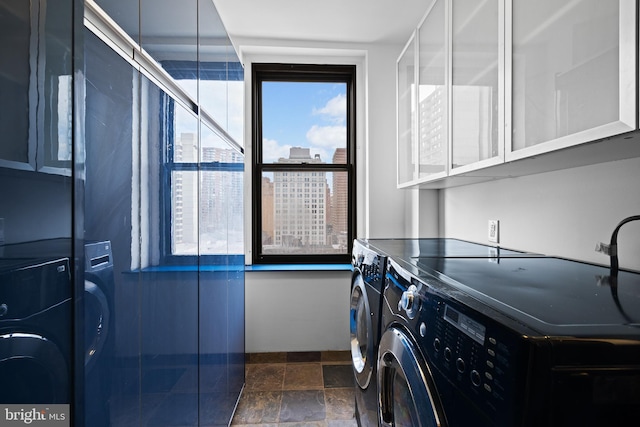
[327,136]
[335,109]
[272,151]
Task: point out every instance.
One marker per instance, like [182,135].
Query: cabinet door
[406,110]
[55,73]
[18,83]
[572,73]
[35,86]
[477,109]
[432,93]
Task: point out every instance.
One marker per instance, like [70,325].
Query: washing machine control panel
[371,264]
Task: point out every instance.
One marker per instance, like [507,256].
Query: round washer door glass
[362,357]
[407,392]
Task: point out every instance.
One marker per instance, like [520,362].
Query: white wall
[563,213]
[391,212]
[297,311]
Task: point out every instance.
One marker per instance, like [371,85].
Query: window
[303,163]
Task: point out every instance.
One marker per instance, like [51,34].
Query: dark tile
[304,424]
[303,376]
[337,376]
[304,356]
[340,403]
[258,407]
[291,394]
[342,423]
[303,405]
[336,356]
[256,425]
[275,357]
[269,377]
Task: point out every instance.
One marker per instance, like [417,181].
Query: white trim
[628,63]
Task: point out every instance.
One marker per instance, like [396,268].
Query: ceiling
[330,21]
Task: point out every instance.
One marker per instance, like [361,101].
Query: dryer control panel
[476,356]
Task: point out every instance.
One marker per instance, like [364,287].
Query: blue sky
[297,114]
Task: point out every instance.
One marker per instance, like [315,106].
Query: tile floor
[310,389]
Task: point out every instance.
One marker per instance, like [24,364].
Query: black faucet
[612,279]
[612,248]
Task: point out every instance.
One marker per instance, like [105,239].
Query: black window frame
[280,72]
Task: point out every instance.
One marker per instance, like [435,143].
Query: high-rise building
[268,223]
[300,203]
[340,200]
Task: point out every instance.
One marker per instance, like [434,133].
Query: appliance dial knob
[460,365]
[3,309]
[475,378]
[407,300]
[447,354]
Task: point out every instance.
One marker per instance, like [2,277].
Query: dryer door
[33,370]
[361,326]
[407,392]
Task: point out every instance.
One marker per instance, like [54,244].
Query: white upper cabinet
[432,93]
[406,88]
[497,81]
[572,75]
[477,82]
[422,103]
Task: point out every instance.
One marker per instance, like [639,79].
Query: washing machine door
[361,327]
[96,323]
[33,370]
[407,393]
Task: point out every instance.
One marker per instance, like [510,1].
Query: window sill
[298,267]
[187,268]
[250,268]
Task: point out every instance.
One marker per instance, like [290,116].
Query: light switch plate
[494,231]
